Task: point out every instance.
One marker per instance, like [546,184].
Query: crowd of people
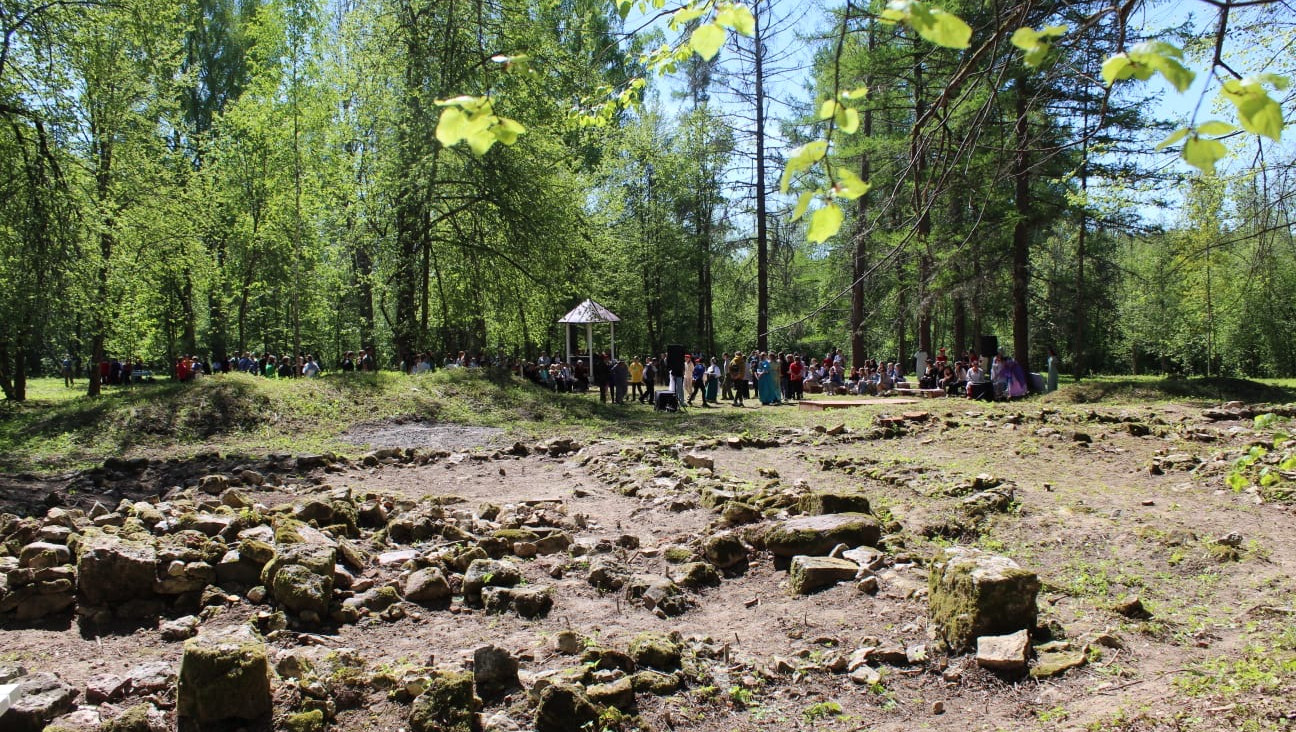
[777,377]
[768,377]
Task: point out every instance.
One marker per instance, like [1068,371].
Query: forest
[218,176]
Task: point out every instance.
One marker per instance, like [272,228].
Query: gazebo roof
[589,312]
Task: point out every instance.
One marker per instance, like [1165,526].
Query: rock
[868,585]
[659,593]
[40,555]
[655,650]
[808,574]
[817,535]
[569,642]
[401,556]
[487,573]
[102,688]
[213,484]
[302,591]
[300,577]
[995,500]
[495,671]
[656,682]
[1132,609]
[41,698]
[563,708]
[866,676]
[698,460]
[1053,663]
[112,570]
[235,499]
[152,677]
[86,719]
[1005,653]
[308,721]
[427,587]
[818,504]
[447,705]
[867,557]
[143,717]
[532,602]
[608,574]
[554,543]
[698,574]
[724,550]
[224,675]
[737,513]
[179,629]
[972,593]
[619,693]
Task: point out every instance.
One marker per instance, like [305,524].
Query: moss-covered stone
[808,574]
[698,574]
[619,693]
[724,550]
[818,504]
[447,705]
[311,721]
[512,535]
[563,708]
[112,570]
[972,593]
[656,682]
[817,535]
[224,675]
[677,554]
[655,650]
[135,719]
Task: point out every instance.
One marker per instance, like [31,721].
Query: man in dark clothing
[650,381]
[699,378]
[602,376]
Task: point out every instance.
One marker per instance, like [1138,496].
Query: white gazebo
[589,313]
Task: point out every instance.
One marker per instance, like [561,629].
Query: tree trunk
[1021,230]
[762,233]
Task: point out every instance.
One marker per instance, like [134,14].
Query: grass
[1201,390]
[59,428]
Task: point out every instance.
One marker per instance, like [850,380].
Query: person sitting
[950,382]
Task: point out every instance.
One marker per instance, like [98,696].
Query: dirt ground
[1103,511]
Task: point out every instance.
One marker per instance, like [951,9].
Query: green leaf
[707,40]
[803,202]
[737,17]
[1025,38]
[480,142]
[1257,111]
[507,130]
[801,159]
[1174,72]
[847,120]
[1117,68]
[1174,137]
[452,126]
[825,222]
[1215,128]
[1202,153]
[947,30]
[849,185]
[859,92]
[1237,482]
[827,109]
[685,14]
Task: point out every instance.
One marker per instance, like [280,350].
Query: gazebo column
[613,327]
[589,341]
[567,330]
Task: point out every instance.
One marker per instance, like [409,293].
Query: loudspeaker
[675,360]
[987,346]
[666,401]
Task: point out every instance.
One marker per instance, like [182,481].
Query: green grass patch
[1202,390]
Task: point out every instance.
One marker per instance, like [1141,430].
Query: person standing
[650,380]
[619,376]
[767,386]
[698,382]
[713,377]
[636,379]
[68,379]
[796,378]
[737,370]
[726,382]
